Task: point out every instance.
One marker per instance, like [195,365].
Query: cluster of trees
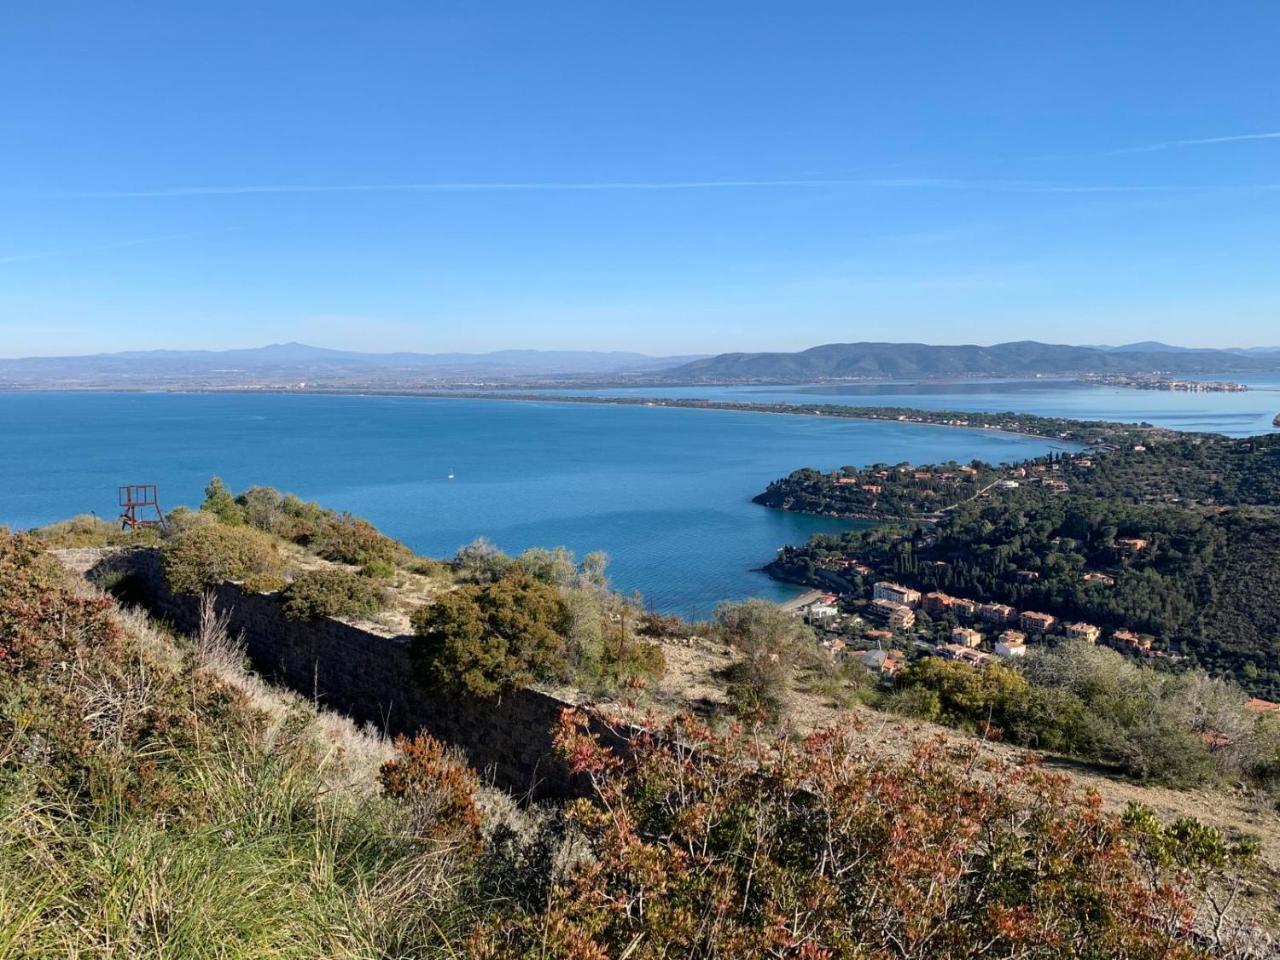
[878,491]
[1091,703]
[1200,468]
[1164,468]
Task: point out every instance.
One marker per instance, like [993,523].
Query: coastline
[907,416]
[730,406]
[914,416]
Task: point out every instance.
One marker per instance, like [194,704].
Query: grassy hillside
[157,801]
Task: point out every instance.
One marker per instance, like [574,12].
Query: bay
[665,492]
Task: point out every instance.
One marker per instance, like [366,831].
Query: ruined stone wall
[362,674]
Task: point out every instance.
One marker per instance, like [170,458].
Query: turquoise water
[665,492]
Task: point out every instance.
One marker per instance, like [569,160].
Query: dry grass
[285,850]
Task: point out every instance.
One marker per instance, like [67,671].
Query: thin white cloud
[554,186]
[1200,142]
[137,242]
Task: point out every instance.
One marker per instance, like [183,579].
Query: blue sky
[664,177]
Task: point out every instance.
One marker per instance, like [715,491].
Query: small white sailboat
[451,473]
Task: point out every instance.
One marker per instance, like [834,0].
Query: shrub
[604,652]
[202,555]
[991,698]
[427,567]
[378,569]
[482,639]
[772,643]
[339,537]
[42,622]
[219,502]
[481,562]
[331,592]
[557,566]
[348,539]
[1155,726]
[663,627]
[703,845]
[439,789]
[264,508]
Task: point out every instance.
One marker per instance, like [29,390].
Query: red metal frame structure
[140,506]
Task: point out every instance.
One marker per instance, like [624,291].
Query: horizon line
[561,186]
[614,350]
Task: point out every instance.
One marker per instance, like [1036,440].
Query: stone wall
[365,675]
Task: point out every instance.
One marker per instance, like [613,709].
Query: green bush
[481,562]
[219,502]
[334,536]
[378,569]
[772,643]
[331,592]
[483,639]
[990,699]
[427,567]
[347,539]
[202,555]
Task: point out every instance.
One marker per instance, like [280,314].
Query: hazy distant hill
[300,362]
[1022,358]
[1155,346]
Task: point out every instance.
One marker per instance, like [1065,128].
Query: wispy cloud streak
[1201,142]
[554,186]
[139,241]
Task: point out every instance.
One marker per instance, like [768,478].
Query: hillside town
[900,623]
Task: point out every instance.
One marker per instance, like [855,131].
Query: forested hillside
[1019,359]
[1202,468]
[1177,538]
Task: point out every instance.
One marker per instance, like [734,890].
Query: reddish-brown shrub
[439,789]
[704,845]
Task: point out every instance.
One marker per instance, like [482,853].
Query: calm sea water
[665,492]
[1235,414]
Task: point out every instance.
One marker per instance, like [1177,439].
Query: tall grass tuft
[159,801]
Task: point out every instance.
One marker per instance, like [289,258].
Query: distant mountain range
[289,364]
[1023,358]
[297,362]
[1155,346]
